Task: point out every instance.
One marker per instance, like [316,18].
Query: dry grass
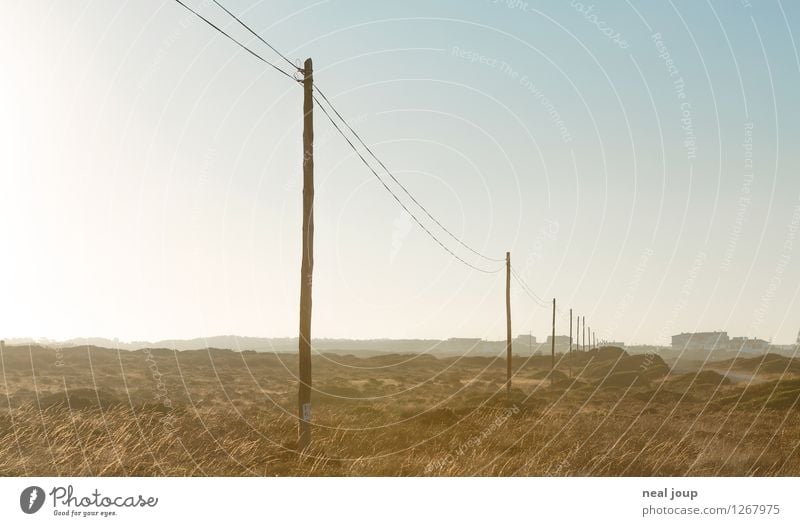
[222,413]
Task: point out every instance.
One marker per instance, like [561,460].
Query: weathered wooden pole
[508,323]
[553,345]
[570,332]
[584,333]
[570,343]
[307,261]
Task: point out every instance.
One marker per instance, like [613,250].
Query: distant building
[560,340]
[613,344]
[525,340]
[703,341]
[718,341]
[465,341]
[465,345]
[744,344]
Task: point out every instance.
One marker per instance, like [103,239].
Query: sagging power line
[307,260]
[352,144]
[256,55]
[397,199]
[389,172]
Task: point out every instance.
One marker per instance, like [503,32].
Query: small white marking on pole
[307,412]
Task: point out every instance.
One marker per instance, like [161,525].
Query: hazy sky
[640,161]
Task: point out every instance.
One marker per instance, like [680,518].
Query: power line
[350,143]
[407,192]
[258,36]
[535,297]
[416,220]
[531,294]
[527,290]
[259,57]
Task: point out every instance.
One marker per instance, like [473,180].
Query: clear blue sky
[639,160]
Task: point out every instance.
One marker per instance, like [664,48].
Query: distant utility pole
[570,343]
[553,345]
[508,323]
[578,333]
[307,263]
[570,332]
[594,340]
[584,333]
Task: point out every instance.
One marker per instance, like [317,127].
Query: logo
[31,499]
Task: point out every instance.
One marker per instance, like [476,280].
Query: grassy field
[92,411]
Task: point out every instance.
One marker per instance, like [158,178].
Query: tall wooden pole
[508,323]
[307,263]
[578,333]
[570,343]
[553,345]
[584,333]
[570,332]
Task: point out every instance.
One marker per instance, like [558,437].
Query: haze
[150,173]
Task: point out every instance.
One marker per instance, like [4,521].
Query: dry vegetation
[91,411]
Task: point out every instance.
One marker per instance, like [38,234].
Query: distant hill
[766,364]
[360,348]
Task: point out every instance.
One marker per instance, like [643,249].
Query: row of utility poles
[580,346]
[307,272]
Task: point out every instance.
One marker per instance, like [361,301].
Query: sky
[638,159]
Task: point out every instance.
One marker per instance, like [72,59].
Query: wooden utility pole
[570,332]
[307,263]
[553,345]
[570,343]
[578,333]
[508,323]
[584,333]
